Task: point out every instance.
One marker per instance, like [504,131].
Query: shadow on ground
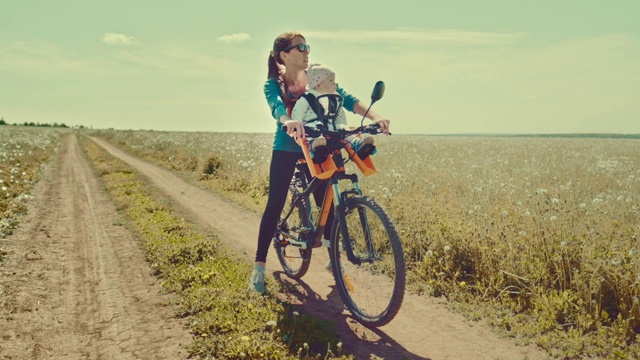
[361,341]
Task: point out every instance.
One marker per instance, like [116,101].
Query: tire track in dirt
[76,282]
[423,329]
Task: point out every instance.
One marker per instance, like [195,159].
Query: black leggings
[280,173]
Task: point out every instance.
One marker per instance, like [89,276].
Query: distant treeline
[61,125]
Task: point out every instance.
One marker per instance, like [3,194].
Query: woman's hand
[295,129]
[383,123]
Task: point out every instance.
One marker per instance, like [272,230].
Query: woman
[286,82]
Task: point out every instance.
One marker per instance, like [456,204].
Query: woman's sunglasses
[301,47]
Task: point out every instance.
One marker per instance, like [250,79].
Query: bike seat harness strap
[326,107]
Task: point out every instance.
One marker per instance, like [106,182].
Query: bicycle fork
[340,206]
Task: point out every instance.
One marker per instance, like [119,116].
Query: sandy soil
[75,284]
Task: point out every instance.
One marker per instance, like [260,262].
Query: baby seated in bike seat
[321,80]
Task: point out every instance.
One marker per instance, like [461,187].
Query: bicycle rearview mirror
[378,91]
[376,94]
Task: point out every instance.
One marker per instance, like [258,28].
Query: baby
[322,80]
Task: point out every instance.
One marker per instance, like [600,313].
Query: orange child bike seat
[321,171]
[366,165]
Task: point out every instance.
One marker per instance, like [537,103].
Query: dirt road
[75,284]
[80,287]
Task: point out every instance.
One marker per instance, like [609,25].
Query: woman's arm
[272,94]
[349,100]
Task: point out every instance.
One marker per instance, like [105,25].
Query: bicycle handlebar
[373,129]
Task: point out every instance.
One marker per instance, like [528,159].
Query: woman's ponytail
[274,68]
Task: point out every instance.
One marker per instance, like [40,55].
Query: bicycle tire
[294,261]
[374,290]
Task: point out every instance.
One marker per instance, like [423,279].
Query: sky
[455,67]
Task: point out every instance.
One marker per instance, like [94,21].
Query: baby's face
[328,85]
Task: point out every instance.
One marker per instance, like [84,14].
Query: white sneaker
[256,283]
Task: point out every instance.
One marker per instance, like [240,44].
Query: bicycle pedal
[279,244]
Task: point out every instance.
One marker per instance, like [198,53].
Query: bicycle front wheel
[372,285]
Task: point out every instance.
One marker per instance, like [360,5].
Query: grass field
[23,153]
[536,235]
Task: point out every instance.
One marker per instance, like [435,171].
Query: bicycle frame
[329,172]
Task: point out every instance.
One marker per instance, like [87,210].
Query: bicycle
[365,250]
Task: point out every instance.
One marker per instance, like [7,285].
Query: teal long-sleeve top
[281,140]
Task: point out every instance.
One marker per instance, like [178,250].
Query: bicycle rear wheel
[294,260]
[372,287]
